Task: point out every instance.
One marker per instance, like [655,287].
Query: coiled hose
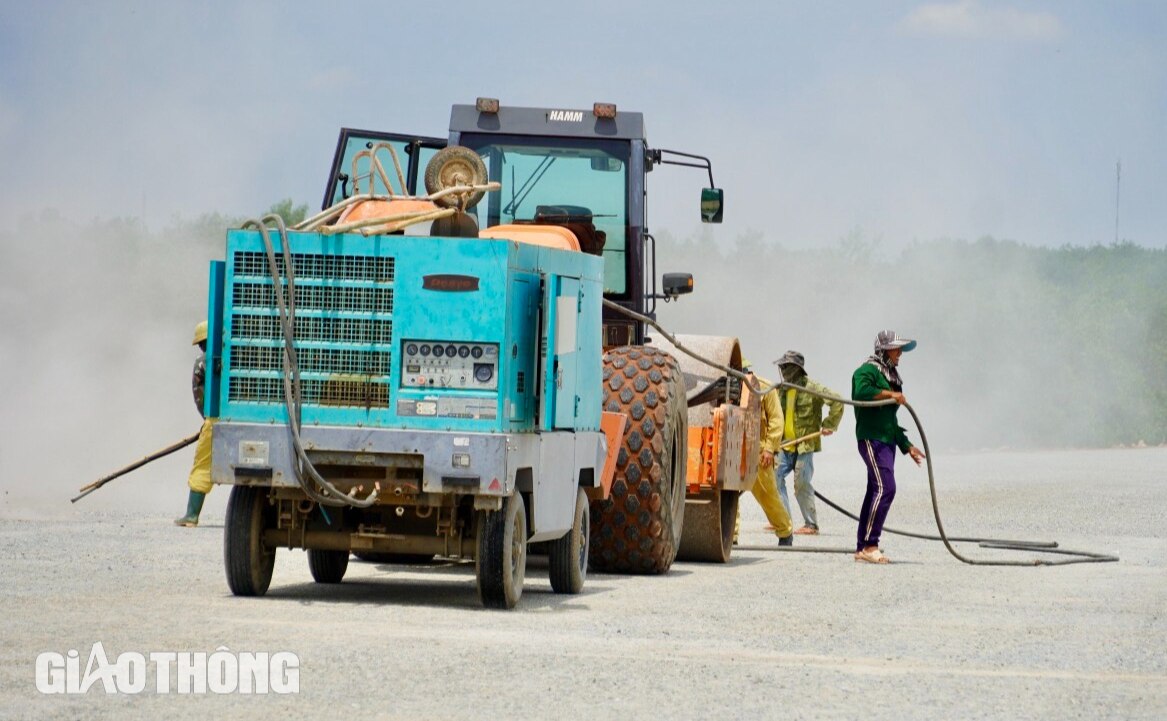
[995,543]
[306,473]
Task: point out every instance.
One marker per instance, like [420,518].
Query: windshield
[575,182]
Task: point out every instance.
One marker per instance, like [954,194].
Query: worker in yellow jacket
[199,480]
[765,488]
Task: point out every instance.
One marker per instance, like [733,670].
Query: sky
[898,121]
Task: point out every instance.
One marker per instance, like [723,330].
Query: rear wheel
[638,528]
[501,559]
[568,556]
[248,562]
[327,566]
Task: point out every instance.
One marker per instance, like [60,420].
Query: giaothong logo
[185,672]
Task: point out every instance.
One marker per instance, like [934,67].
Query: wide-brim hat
[890,340]
[792,357]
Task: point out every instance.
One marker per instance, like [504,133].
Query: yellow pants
[765,490]
[200,475]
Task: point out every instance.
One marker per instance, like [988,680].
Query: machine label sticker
[475,408]
[566,116]
[450,283]
[254,453]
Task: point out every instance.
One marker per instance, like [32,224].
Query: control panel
[449,364]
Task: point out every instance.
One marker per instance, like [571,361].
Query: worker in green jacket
[879,435]
[804,420]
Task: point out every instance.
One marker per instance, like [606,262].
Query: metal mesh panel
[366,268]
[344,360]
[353,299]
[313,360]
[313,328]
[349,391]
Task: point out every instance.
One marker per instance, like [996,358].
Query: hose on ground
[1036,546]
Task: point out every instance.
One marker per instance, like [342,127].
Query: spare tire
[451,167]
[637,529]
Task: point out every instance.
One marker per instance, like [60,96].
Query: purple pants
[880,458]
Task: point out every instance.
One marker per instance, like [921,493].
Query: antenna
[1117,188]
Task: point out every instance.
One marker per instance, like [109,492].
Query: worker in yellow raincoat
[765,488]
[200,475]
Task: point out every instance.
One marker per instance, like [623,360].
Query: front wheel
[638,528]
[248,562]
[501,559]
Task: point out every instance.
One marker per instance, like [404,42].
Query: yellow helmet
[200,333]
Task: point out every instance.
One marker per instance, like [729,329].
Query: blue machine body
[422,333]
[477,361]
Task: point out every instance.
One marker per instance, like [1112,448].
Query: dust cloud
[95,360]
[1019,347]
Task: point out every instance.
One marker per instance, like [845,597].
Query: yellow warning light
[604,110]
[486,105]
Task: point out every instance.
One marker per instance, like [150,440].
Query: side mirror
[711,208]
[675,284]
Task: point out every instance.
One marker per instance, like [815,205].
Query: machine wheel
[638,528]
[453,166]
[407,559]
[327,566]
[249,564]
[501,559]
[568,556]
[709,528]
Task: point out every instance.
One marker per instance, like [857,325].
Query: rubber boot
[194,506]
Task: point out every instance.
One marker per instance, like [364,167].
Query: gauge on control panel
[455,365]
[483,372]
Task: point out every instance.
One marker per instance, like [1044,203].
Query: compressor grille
[343,329]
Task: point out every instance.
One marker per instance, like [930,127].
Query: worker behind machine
[765,487]
[200,475]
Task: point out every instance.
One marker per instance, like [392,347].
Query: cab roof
[553,122]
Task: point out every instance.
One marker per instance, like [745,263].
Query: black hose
[1037,546]
[290,375]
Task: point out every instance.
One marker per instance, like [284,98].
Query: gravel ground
[770,635]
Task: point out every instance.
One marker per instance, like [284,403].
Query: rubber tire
[406,559]
[327,566]
[637,529]
[500,563]
[455,165]
[249,565]
[567,557]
